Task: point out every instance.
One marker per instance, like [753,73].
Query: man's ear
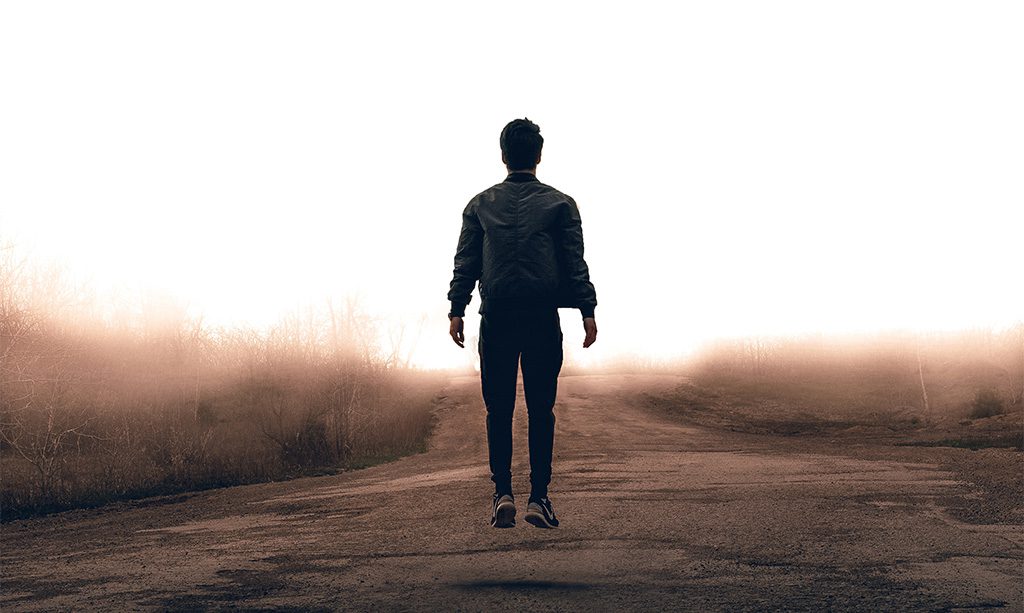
[538,158]
[503,160]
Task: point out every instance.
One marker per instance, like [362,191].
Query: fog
[740,168]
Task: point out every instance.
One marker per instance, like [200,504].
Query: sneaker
[503,514]
[540,514]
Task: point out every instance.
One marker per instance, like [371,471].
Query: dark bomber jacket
[523,241]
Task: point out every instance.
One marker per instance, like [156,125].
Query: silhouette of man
[523,241]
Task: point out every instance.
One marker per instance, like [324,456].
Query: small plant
[986,404]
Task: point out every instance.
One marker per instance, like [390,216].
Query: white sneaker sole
[505,515]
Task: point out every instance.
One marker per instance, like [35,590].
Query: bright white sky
[740,167]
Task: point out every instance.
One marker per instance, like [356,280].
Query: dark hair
[521,143]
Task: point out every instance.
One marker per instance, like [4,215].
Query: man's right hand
[590,327]
[455,330]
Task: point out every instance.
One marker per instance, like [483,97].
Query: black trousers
[506,338]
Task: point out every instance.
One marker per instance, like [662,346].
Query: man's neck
[532,171]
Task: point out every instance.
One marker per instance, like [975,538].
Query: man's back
[523,240]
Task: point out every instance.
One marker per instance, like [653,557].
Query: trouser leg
[499,369]
[542,361]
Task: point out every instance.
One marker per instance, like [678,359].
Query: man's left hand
[455,330]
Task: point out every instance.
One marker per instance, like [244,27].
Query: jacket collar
[517,176]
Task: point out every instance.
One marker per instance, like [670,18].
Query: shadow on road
[523,585]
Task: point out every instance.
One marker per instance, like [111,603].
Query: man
[523,241]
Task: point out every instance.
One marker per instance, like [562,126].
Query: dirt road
[656,515]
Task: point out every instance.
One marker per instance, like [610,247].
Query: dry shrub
[987,403]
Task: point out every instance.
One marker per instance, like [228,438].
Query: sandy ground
[657,514]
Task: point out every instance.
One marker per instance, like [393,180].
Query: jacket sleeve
[580,289]
[468,261]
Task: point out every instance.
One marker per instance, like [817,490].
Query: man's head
[521,143]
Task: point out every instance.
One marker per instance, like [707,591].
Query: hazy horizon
[782,169]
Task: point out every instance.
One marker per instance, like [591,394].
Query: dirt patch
[984,454]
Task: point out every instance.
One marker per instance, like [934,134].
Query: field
[101,406]
[963,384]
[817,473]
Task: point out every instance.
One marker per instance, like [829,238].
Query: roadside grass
[233,450]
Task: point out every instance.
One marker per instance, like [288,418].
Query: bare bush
[987,403]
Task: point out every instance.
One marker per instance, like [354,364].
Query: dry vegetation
[97,407]
[968,382]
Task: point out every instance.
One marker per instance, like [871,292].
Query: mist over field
[99,405]
[96,407]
